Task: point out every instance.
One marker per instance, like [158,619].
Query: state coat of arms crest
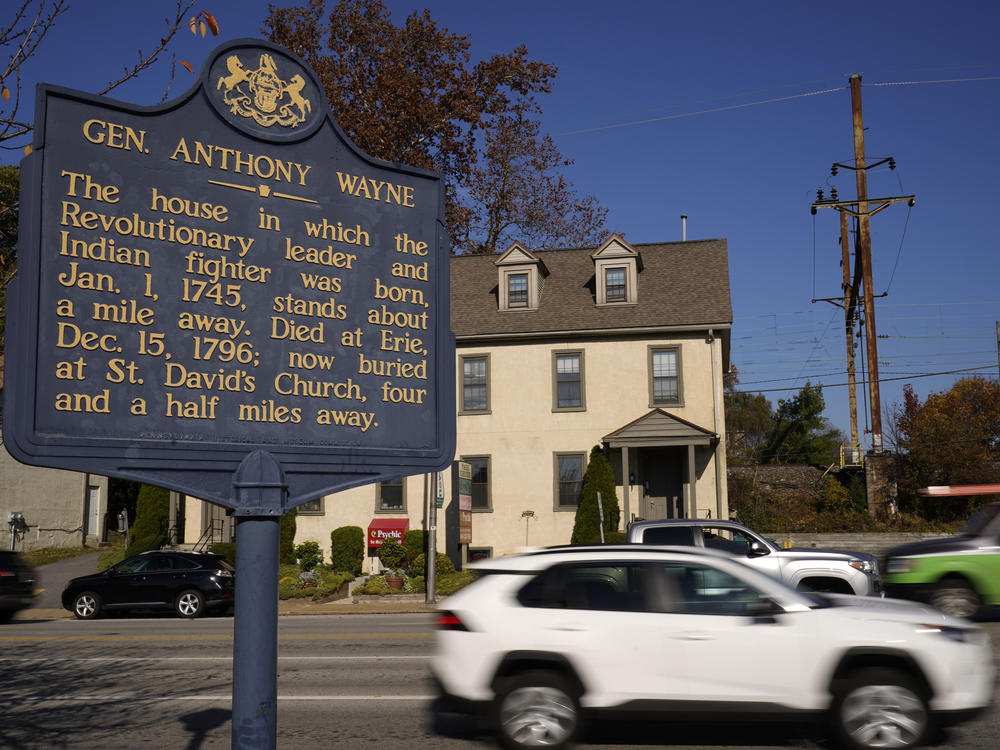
[262,95]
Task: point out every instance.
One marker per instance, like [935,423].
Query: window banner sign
[222,275]
[464,502]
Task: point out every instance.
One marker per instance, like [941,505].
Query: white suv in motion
[544,639]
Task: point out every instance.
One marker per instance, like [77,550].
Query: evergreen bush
[347,549]
[442,566]
[391,554]
[599,478]
[309,555]
[286,539]
[415,544]
[152,512]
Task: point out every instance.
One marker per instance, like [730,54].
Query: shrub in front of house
[452,582]
[347,549]
[391,554]
[316,584]
[309,555]
[286,538]
[443,565]
[149,531]
[415,544]
[374,586]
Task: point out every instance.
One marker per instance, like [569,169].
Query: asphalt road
[344,681]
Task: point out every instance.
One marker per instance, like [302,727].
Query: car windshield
[979,520]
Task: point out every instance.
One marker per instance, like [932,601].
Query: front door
[662,474]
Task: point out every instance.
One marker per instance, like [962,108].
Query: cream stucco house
[622,346]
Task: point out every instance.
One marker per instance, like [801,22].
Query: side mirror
[763,610]
[758,549]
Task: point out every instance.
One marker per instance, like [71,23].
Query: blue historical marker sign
[221,275]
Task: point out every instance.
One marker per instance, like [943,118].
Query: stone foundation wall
[875,543]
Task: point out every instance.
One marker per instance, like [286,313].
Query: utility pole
[862,209]
[849,305]
[865,242]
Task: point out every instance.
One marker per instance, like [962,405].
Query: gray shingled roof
[681,284]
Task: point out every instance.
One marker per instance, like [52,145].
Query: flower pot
[395,582]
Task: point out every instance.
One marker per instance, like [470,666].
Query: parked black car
[190,583]
[17,585]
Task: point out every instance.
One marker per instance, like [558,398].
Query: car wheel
[87,605]
[189,603]
[880,708]
[955,597]
[536,709]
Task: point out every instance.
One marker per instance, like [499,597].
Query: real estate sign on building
[222,274]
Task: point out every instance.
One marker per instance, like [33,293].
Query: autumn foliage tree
[411,94]
[951,439]
[24,25]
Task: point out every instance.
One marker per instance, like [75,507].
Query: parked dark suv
[187,582]
[17,585]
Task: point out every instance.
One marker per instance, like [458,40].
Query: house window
[614,285]
[311,508]
[480,481]
[480,553]
[568,381]
[475,384]
[664,376]
[391,496]
[569,480]
[517,290]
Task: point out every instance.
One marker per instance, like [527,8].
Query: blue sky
[732,113]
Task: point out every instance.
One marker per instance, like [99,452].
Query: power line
[700,112]
[883,380]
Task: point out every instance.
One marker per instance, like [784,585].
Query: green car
[956,574]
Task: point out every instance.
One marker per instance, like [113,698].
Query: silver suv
[542,641]
[822,570]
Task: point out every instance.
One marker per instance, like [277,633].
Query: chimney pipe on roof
[684,227]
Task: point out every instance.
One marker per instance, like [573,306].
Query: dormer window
[517,290]
[616,272]
[614,284]
[519,281]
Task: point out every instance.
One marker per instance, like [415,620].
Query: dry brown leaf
[187,66]
[27,150]
[202,28]
[193,25]
[5,93]
[212,23]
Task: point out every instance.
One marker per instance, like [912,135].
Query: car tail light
[450,621]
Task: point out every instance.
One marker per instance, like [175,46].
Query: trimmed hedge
[442,567]
[347,549]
